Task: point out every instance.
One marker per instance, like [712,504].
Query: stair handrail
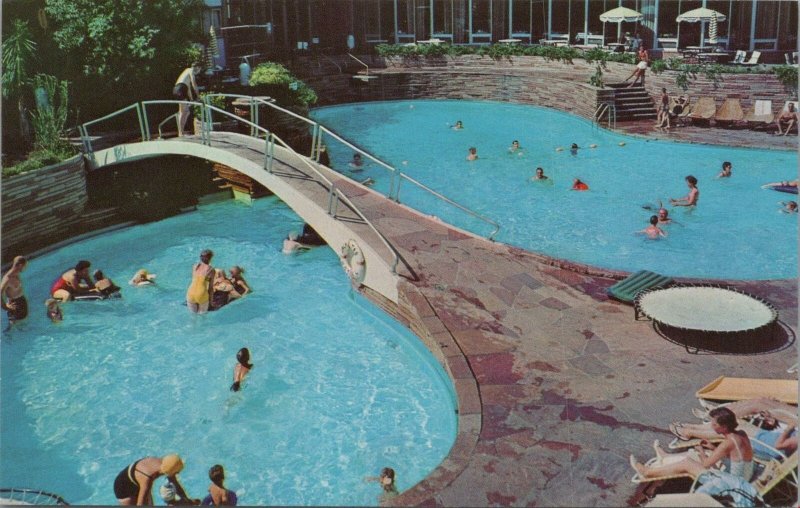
[359,61]
[331,60]
[84,132]
[598,113]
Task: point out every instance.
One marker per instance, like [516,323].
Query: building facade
[764,25]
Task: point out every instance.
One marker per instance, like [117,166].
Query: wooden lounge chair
[704,109]
[730,111]
[737,388]
[760,114]
[754,57]
[627,289]
[681,500]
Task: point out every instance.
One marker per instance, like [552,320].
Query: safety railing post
[89,149]
[145,119]
[391,184]
[315,134]
[255,118]
[331,193]
[271,152]
[252,116]
[141,120]
[84,139]
[397,190]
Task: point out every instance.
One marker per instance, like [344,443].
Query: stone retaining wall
[40,205]
[527,80]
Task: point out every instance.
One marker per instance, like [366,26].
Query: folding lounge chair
[681,500]
[736,388]
[753,59]
[761,113]
[771,475]
[668,459]
[704,109]
[683,117]
[730,111]
[739,57]
[627,289]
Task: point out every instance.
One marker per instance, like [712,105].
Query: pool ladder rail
[609,109]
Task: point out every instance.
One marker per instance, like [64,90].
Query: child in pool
[241,369]
[53,310]
[218,495]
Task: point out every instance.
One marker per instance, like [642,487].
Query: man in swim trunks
[69,285]
[692,197]
[653,231]
[134,484]
[12,297]
[788,118]
[727,170]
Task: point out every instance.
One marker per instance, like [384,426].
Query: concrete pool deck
[557,383]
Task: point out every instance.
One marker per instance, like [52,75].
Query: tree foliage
[130,49]
[19,51]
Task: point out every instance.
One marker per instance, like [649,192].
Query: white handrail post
[397,190]
[331,193]
[145,119]
[315,135]
[271,156]
[255,117]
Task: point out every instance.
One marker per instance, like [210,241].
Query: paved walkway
[569,384]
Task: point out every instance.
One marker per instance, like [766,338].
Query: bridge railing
[317,130]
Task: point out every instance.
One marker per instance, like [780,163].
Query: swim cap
[171,465]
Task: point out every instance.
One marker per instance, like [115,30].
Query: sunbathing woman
[735,447]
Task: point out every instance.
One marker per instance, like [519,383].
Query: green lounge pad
[627,289]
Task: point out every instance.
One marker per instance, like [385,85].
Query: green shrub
[39,158]
[787,74]
[658,66]
[279,78]
[49,122]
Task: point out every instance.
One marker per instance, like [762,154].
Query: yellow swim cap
[171,465]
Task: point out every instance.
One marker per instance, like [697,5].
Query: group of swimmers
[134,484]
[212,289]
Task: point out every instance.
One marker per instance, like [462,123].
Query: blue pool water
[736,231]
[337,392]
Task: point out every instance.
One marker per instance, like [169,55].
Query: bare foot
[639,468]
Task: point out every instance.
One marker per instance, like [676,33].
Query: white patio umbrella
[712,29]
[618,15]
[702,15]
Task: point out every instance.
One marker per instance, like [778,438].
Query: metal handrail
[87,142]
[167,119]
[359,61]
[463,208]
[333,191]
[392,170]
[168,101]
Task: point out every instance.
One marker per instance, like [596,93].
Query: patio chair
[771,475]
[739,57]
[705,109]
[760,114]
[681,500]
[754,57]
[667,459]
[627,289]
[730,111]
[682,118]
[737,388]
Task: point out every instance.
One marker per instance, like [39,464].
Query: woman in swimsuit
[134,484]
[201,290]
[12,298]
[241,369]
[735,447]
[69,285]
[239,284]
[223,290]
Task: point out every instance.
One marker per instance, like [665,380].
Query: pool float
[96,296]
[784,188]
[353,262]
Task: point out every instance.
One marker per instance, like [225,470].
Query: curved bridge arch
[297,187]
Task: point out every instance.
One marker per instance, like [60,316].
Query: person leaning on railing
[186,90]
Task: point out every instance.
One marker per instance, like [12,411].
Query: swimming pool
[337,392]
[736,231]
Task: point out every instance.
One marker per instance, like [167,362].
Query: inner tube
[97,296]
[785,188]
[353,262]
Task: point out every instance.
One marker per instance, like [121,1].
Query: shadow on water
[772,339]
[26,462]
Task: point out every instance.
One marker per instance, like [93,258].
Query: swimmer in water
[458,126]
[789,206]
[727,170]
[514,147]
[540,175]
[577,185]
[473,154]
[357,164]
[653,231]
[692,197]
[241,369]
[574,149]
[53,310]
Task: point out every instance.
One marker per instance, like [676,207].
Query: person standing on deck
[186,90]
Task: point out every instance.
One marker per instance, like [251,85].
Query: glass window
[767,19]
[521,13]
[560,15]
[405,17]
[482,16]
[442,16]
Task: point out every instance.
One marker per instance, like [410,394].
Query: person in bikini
[692,197]
[237,279]
[134,484]
[74,282]
[12,296]
[201,290]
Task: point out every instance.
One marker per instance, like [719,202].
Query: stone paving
[568,383]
